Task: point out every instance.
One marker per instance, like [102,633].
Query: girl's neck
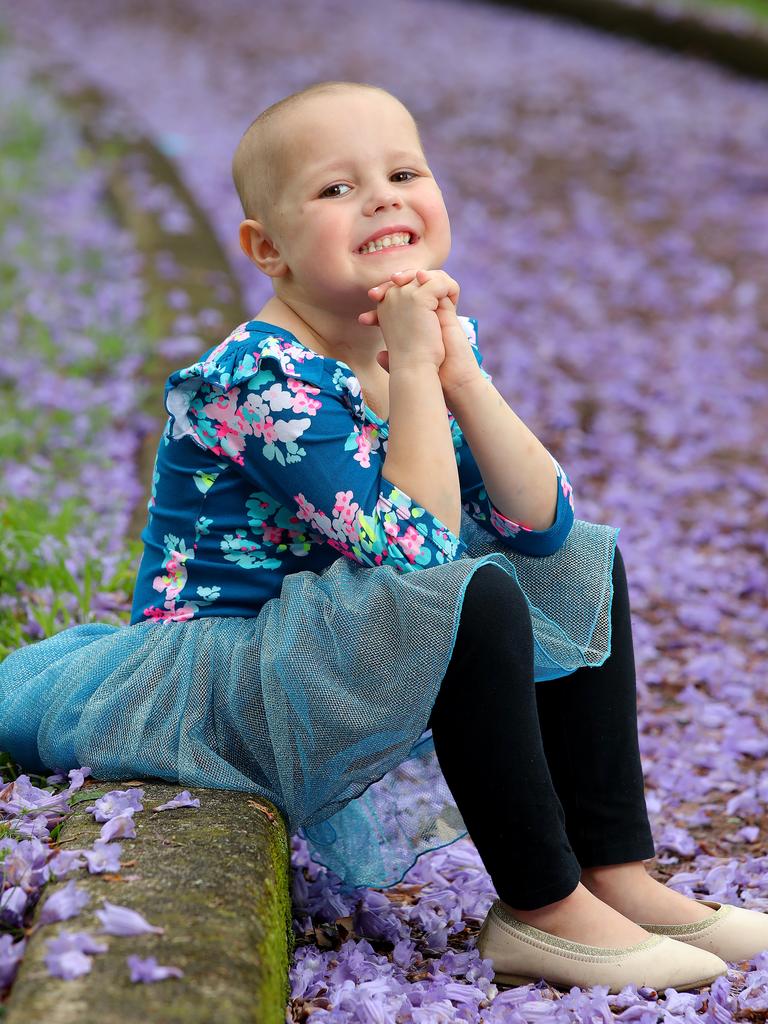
[361,360]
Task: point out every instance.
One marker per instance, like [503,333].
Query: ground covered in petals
[609,210]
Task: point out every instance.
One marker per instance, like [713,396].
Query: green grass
[757,7]
[34,552]
[36,586]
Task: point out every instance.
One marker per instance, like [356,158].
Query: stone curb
[733,39]
[214,877]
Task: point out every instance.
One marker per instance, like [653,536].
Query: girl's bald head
[266,154]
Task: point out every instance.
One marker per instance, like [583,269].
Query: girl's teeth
[385,242]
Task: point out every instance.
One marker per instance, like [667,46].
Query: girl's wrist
[459,390]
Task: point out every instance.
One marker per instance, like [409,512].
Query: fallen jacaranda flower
[121,826]
[66,903]
[148,969]
[117,920]
[103,857]
[184,799]
[116,802]
[82,941]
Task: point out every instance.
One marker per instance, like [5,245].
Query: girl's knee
[618,558]
[492,592]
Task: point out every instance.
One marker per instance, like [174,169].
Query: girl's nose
[382,198]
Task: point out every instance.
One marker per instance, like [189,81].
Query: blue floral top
[271,463]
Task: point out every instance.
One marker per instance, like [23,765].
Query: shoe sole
[519,979]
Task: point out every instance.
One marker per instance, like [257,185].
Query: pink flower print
[345,512]
[224,430]
[182,614]
[444,536]
[266,429]
[210,362]
[338,545]
[344,505]
[170,613]
[289,351]
[506,527]
[349,530]
[411,542]
[392,529]
[567,490]
[363,454]
[231,425]
[239,334]
[224,408]
[273,534]
[175,577]
[303,401]
[306,510]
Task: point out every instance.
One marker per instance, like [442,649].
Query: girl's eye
[325,191]
[341,184]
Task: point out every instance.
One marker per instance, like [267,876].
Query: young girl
[364,594]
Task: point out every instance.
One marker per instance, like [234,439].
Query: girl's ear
[258,247]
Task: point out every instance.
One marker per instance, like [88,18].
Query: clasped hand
[459,366]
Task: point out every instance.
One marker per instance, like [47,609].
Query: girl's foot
[583,917]
[639,897]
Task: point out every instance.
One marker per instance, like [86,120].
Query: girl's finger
[380,290]
[369,319]
[423,276]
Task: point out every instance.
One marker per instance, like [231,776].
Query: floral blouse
[271,463]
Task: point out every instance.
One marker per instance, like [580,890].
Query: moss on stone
[216,879]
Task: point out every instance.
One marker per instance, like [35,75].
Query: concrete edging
[214,877]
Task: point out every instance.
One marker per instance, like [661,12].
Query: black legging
[526,761]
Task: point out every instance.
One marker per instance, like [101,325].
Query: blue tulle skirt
[318,703]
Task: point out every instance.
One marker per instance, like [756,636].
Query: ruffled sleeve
[284,417]
[475,500]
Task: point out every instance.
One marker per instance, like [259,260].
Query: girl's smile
[388,248]
[398,236]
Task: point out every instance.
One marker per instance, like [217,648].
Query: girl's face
[355,167]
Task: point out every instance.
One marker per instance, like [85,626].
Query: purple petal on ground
[22,795]
[104,856]
[13,904]
[116,802]
[63,904]
[77,777]
[184,799]
[27,864]
[122,826]
[66,861]
[11,954]
[68,940]
[117,920]
[148,970]
[68,965]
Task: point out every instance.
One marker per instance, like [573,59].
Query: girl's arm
[420,457]
[503,464]
[519,473]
